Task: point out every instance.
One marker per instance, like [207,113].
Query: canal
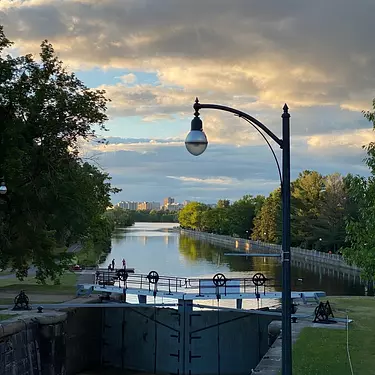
[156,246]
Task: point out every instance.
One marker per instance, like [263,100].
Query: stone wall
[57,343]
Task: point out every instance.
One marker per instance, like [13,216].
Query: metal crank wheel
[153,277]
[320,314]
[219,279]
[122,275]
[259,279]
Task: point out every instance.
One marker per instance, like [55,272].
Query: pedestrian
[124,263]
[109,266]
[113,264]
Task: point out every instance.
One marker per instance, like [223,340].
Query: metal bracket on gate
[176,355]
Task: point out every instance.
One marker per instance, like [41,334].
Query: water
[155,246]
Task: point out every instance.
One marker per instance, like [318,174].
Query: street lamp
[3,188]
[196,140]
[196,143]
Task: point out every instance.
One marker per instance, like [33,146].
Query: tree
[53,198]
[242,213]
[223,203]
[120,217]
[361,225]
[191,215]
[267,222]
[329,225]
[306,192]
[361,229]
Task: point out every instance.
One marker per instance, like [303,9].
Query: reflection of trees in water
[118,236]
[122,236]
[195,250]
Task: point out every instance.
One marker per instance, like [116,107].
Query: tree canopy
[54,198]
[234,219]
[361,221]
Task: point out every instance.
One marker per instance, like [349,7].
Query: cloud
[303,53]
[209,181]
[252,55]
[128,78]
[150,170]
[345,140]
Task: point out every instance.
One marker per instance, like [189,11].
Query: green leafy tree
[155,216]
[53,198]
[306,192]
[223,203]
[120,217]
[191,215]
[361,225]
[329,225]
[242,214]
[361,229]
[267,222]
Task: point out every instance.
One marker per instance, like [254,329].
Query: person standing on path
[124,263]
[113,264]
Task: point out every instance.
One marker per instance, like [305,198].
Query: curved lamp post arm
[271,149]
[197,106]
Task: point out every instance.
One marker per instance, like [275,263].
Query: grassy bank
[6,317]
[30,285]
[323,351]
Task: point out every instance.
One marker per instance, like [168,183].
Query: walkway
[271,362]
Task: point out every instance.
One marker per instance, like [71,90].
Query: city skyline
[154,58]
[167,204]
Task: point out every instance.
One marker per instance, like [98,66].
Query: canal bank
[324,263]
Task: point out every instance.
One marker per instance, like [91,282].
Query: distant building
[148,206]
[167,201]
[126,205]
[186,203]
[155,206]
[142,206]
[173,207]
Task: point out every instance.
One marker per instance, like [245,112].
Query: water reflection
[155,246]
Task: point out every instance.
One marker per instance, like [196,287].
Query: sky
[153,57]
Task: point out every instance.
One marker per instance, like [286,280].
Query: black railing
[217,285]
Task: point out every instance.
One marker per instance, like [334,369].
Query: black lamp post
[196,143]
[3,188]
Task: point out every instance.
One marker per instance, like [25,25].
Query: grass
[6,316]
[30,285]
[6,273]
[321,351]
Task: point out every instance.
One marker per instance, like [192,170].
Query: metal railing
[151,282]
